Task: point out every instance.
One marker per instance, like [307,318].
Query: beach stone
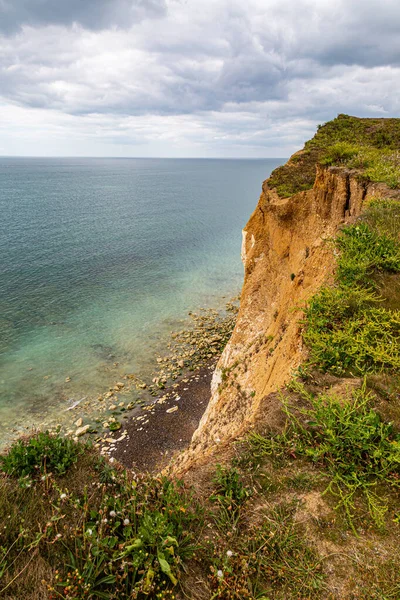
[112,407]
[172,409]
[79,422]
[67,379]
[82,430]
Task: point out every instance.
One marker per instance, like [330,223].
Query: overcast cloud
[190,77]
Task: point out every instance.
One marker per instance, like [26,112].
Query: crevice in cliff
[348,197]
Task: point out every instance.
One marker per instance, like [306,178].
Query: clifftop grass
[370,145]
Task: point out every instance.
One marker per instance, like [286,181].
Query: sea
[100,259]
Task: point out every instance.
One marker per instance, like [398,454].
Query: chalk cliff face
[287,256]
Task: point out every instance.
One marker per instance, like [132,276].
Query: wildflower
[113,513]
[126,521]
[105,520]
[89,531]
[229,553]
[58,535]
[63,496]
[220,574]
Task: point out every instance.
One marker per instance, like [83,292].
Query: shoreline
[142,422]
[151,439]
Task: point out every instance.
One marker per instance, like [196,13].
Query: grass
[345,437]
[348,328]
[109,536]
[229,495]
[370,145]
[270,561]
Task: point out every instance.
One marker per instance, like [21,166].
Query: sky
[190,78]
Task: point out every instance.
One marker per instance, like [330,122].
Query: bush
[364,251]
[40,454]
[345,330]
[339,153]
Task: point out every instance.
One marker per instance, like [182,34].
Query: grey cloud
[255,74]
[91,14]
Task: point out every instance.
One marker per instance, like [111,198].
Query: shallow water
[99,259]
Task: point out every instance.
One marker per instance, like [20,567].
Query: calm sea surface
[99,259]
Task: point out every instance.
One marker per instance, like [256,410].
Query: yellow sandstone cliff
[287,256]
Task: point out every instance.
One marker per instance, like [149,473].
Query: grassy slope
[309,511]
[370,145]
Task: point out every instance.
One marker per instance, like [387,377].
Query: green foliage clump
[363,251]
[347,438]
[345,328]
[339,153]
[230,494]
[40,454]
[101,535]
[368,144]
[369,341]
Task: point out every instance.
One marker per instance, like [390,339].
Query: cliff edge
[288,255]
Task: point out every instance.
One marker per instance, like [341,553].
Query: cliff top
[369,145]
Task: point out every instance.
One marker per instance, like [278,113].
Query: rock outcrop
[287,256]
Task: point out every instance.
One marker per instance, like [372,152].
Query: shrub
[345,330]
[339,153]
[364,251]
[40,454]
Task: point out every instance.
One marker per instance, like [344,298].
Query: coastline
[151,439]
[131,421]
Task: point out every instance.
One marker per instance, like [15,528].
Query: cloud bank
[190,77]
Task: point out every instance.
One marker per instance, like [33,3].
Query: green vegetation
[370,145]
[230,495]
[347,438]
[347,329]
[270,561]
[40,455]
[106,536]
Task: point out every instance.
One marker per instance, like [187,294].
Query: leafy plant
[345,330]
[347,438]
[134,542]
[339,153]
[230,495]
[42,453]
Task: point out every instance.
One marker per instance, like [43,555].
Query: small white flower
[58,535]
[126,521]
[63,496]
[229,553]
[89,532]
[105,520]
[113,513]
[220,574]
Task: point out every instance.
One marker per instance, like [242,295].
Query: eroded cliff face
[287,256]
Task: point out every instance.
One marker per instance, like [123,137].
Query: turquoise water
[99,260]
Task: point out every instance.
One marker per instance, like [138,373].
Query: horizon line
[148,157]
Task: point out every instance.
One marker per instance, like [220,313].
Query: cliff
[291,484]
[287,257]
